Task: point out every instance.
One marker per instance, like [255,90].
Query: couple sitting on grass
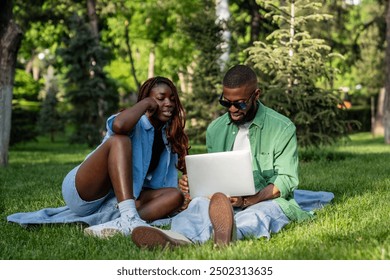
[131,179]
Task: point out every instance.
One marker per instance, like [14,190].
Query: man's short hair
[238,76]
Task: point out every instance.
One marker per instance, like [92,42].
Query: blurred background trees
[82,60]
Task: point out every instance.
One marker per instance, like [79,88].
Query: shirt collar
[260,115]
[148,126]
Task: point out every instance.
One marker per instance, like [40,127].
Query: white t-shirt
[242,139]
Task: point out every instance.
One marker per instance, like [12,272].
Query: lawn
[356,226]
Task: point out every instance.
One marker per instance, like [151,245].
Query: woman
[137,163]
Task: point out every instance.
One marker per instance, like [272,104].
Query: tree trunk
[223,15]
[152,58]
[255,21]
[93,18]
[377,126]
[129,51]
[387,78]
[10,39]
[94,26]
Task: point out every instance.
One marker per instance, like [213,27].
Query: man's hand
[236,201]
[269,192]
[244,201]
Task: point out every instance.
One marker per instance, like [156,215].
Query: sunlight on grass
[354,226]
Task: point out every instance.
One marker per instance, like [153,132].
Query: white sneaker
[114,227]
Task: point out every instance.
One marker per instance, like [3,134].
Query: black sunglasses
[240,105]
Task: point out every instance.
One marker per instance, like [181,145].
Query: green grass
[355,226]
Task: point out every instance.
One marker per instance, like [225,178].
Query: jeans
[259,220]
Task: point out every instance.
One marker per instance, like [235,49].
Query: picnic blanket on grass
[307,200]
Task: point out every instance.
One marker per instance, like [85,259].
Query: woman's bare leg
[156,204]
[110,166]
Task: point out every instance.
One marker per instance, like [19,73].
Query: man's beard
[249,116]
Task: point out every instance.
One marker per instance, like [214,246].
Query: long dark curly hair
[175,129]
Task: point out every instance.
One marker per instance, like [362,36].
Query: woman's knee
[118,140]
[169,195]
[172,196]
[177,196]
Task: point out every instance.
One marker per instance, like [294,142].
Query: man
[271,138]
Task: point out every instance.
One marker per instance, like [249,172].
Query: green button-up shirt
[273,143]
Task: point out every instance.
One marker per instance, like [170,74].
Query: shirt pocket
[266,163]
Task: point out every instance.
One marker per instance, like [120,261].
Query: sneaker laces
[118,223]
[134,221]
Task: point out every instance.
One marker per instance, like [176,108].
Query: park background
[321,63]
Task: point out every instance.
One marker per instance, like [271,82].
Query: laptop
[226,172]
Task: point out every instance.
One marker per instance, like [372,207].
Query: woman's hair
[175,129]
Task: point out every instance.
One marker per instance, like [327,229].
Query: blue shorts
[73,200]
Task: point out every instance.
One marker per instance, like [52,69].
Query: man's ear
[257,94]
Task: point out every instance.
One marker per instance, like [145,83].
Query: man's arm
[285,179]
[269,192]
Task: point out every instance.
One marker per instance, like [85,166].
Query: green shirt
[274,153]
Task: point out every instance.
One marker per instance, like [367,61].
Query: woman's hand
[152,106]
[127,119]
[183,186]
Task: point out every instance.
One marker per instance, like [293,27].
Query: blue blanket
[307,200]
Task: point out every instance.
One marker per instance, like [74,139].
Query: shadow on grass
[313,154]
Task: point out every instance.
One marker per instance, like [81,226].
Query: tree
[50,121]
[89,90]
[201,101]
[10,39]
[297,74]
[144,38]
[25,107]
[247,25]
[358,33]
[387,85]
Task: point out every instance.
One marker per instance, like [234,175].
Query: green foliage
[50,120]
[357,32]
[298,75]
[353,227]
[153,26]
[247,24]
[202,102]
[89,90]
[173,30]
[25,108]
[367,69]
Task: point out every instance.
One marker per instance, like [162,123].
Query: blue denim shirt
[142,136]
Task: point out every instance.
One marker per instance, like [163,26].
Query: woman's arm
[126,120]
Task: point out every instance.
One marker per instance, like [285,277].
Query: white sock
[129,215]
[127,209]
